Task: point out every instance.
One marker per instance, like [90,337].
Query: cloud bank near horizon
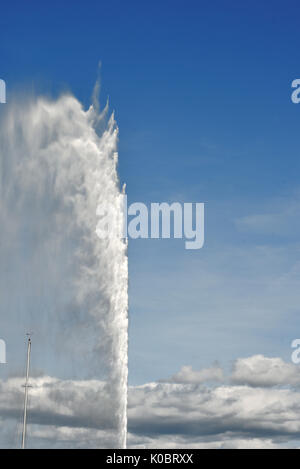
[256,406]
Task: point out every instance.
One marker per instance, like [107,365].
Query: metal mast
[26,392]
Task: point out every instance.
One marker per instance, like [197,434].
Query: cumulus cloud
[193,412]
[220,442]
[265,372]
[243,413]
[188,375]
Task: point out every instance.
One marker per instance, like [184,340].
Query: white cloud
[198,413]
[280,217]
[221,442]
[77,414]
[188,375]
[262,371]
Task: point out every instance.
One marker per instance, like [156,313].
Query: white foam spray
[58,164]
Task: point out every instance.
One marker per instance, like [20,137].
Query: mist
[58,280]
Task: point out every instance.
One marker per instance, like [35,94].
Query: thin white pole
[26,394]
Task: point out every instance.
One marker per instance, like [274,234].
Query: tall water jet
[58,164]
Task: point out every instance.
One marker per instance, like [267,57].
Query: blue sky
[201,92]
